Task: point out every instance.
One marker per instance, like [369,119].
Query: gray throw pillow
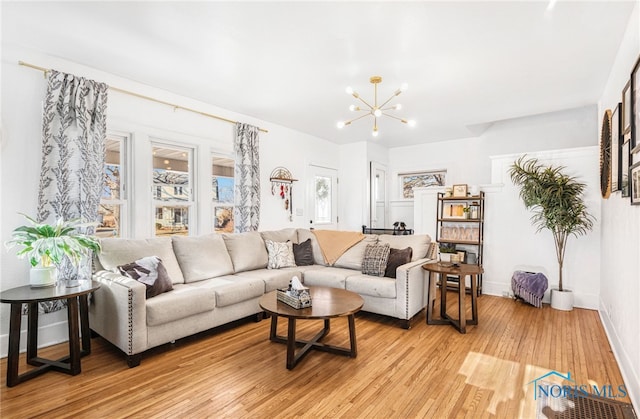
[151,272]
[375,259]
[303,253]
[397,257]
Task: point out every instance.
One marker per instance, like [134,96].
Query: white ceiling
[468,64]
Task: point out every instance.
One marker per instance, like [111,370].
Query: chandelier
[375,110]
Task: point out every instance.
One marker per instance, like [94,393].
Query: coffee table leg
[14,344]
[474,300]
[84,325]
[443,295]
[352,335]
[274,327]
[291,344]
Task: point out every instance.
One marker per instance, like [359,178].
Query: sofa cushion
[328,277]
[418,242]
[372,285]
[397,257]
[151,272]
[282,236]
[183,301]
[202,257]
[116,252]
[305,234]
[352,258]
[247,250]
[375,259]
[273,278]
[280,255]
[232,289]
[303,253]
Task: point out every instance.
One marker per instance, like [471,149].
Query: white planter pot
[445,257]
[43,277]
[562,300]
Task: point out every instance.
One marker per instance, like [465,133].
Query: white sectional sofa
[218,278]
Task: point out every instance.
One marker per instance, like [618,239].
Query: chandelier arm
[404,121]
[389,100]
[365,102]
[355,119]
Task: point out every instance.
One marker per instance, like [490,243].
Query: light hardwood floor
[426,372]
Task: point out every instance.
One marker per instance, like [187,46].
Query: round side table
[461,271]
[77,308]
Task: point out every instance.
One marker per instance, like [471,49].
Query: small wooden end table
[77,306]
[327,303]
[462,271]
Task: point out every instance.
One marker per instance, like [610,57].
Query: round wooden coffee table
[327,303]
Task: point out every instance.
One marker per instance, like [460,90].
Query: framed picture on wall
[408,181]
[626,109]
[624,165]
[615,148]
[634,181]
[635,105]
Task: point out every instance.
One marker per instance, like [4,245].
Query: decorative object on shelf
[460,191]
[557,203]
[605,155]
[375,110]
[282,184]
[474,210]
[448,192]
[47,245]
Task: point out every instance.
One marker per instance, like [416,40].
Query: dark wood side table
[462,271]
[327,303]
[77,306]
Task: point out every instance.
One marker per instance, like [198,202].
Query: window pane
[171,179]
[109,219]
[112,196]
[112,172]
[222,192]
[323,199]
[172,220]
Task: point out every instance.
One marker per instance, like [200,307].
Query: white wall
[468,160]
[620,236]
[23,90]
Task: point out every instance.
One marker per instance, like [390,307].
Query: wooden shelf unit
[460,230]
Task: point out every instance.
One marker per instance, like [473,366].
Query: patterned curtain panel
[73,137]
[246,213]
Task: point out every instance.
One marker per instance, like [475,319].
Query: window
[113,200]
[222,190]
[323,199]
[172,189]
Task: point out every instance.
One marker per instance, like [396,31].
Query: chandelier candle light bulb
[375,110]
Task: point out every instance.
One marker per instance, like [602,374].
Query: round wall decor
[605,155]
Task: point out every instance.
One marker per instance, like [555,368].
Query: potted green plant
[446,250]
[557,203]
[46,246]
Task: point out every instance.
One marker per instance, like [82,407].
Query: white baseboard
[629,375]
[48,335]
[501,289]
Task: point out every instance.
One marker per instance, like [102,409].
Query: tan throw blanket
[334,243]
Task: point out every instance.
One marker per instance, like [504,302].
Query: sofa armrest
[118,311]
[411,288]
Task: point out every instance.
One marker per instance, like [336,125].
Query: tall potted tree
[557,203]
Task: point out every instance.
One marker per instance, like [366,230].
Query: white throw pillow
[280,254]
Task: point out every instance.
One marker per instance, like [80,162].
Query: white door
[323,197]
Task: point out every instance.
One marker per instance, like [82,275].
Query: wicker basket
[302,300]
